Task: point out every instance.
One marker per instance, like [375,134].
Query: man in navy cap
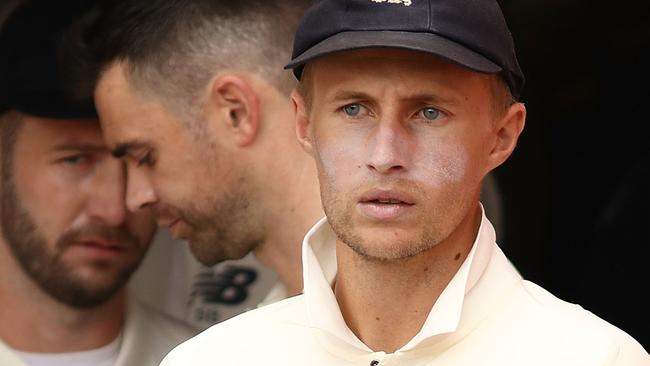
[68,245]
[405,107]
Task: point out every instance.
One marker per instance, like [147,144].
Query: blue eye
[352,110]
[430,113]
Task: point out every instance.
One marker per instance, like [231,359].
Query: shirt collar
[319,272]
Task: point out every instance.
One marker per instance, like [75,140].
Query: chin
[89,290]
[392,253]
[206,253]
[386,244]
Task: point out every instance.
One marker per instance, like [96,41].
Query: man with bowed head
[192,96]
[68,245]
[405,107]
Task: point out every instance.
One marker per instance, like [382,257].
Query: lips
[102,244]
[98,249]
[383,205]
[387,197]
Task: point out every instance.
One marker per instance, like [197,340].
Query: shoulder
[569,328]
[270,318]
[264,328]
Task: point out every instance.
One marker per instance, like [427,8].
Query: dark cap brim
[55,106]
[415,41]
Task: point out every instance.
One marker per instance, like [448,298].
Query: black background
[576,193]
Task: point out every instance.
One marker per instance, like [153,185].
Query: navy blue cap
[470,33]
[31,79]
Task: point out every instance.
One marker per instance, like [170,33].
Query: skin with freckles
[402,141]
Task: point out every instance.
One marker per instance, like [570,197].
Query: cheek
[180,174]
[339,159]
[51,200]
[442,165]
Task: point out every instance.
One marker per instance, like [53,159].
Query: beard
[45,264]
[432,226]
[224,228]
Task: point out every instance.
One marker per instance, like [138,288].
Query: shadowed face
[401,140]
[63,212]
[178,167]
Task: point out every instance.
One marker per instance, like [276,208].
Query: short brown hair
[173,47]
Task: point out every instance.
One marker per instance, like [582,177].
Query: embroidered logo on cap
[404,2]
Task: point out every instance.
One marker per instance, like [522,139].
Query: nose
[389,148]
[140,193]
[106,199]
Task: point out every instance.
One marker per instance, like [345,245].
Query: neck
[32,321]
[385,303]
[296,209]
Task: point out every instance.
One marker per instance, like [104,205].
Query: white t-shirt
[147,336]
[103,356]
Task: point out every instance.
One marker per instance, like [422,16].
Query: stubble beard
[340,212]
[229,228]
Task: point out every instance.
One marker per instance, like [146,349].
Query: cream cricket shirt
[487,315]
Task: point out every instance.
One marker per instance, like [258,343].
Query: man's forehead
[409,73]
[114,75]
[370,59]
[63,126]
[114,92]
[124,116]
[70,132]
[121,102]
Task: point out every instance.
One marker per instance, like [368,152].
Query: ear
[238,104]
[303,131]
[508,129]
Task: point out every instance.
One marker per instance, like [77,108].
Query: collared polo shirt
[487,315]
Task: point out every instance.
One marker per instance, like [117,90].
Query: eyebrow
[123,149]
[420,97]
[438,99]
[344,95]
[72,146]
